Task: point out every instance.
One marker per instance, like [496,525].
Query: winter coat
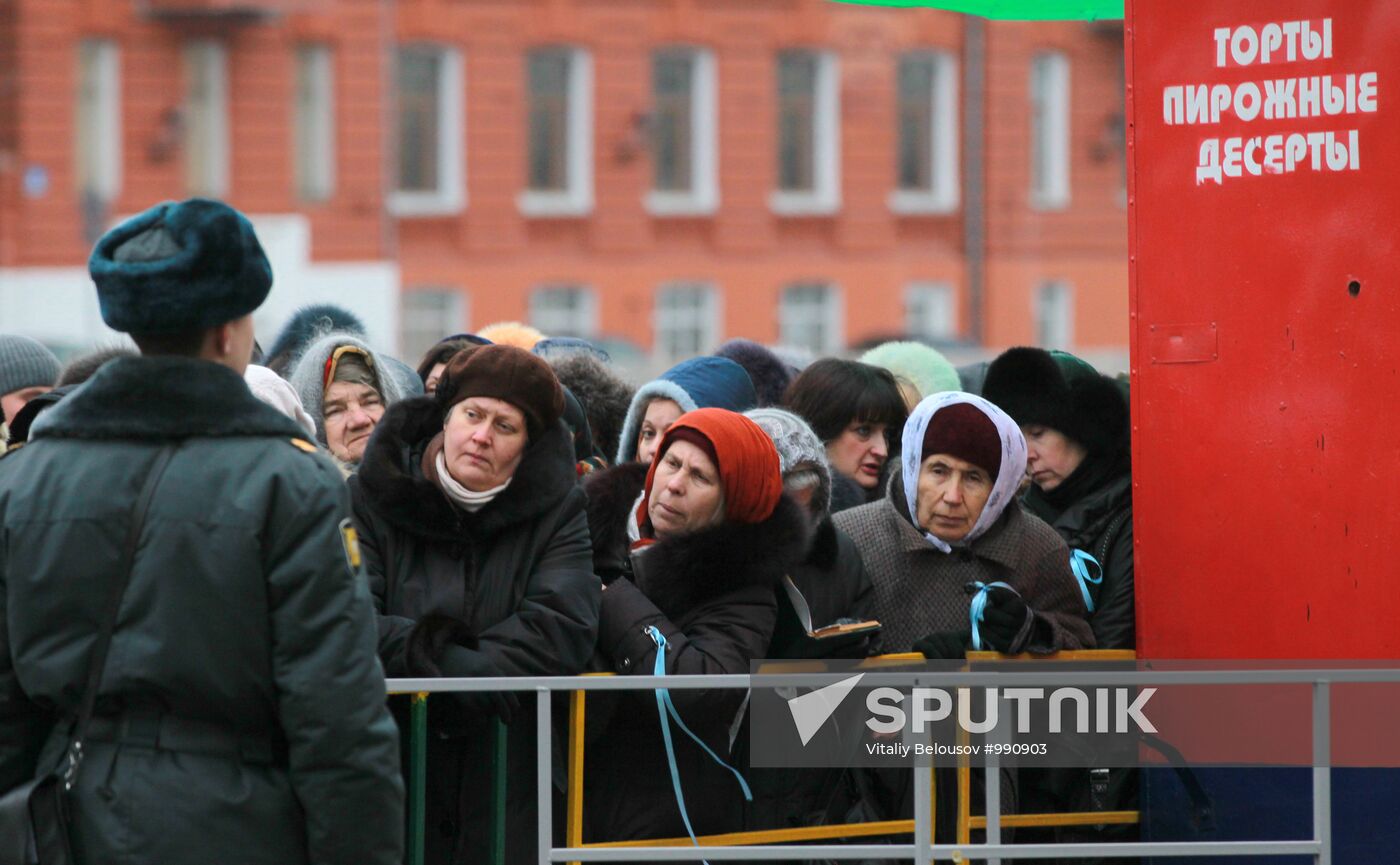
[833,581]
[243,664]
[712,596]
[919,589]
[513,583]
[1101,524]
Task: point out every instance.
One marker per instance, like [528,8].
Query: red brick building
[668,173]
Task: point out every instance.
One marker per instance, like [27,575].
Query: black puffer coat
[512,583]
[711,594]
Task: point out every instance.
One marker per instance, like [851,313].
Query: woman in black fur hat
[476,545]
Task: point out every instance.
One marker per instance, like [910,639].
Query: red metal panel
[1265,311]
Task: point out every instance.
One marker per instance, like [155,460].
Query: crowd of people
[287,527]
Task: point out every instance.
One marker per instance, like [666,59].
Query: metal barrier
[923,849]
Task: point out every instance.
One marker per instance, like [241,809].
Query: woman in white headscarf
[950,532]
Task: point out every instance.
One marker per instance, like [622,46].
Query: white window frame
[313,126]
[99,170]
[833,327]
[209,59]
[916,296]
[825,198]
[451,195]
[944,193]
[587,311]
[455,318]
[703,197]
[577,199]
[707,320]
[1050,70]
[1064,338]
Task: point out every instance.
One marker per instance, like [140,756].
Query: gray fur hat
[798,447]
[308,376]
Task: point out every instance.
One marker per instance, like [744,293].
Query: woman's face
[686,494]
[859,452]
[659,416]
[434,376]
[350,411]
[1051,457]
[484,440]
[951,496]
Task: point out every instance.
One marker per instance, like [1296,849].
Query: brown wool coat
[919,589]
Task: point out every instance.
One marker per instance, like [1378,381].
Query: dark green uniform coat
[244,629]
[511,587]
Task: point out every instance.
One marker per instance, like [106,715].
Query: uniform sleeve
[343,746]
[555,628]
[1115,622]
[392,631]
[23,725]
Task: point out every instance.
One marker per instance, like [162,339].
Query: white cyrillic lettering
[1197,100]
[1270,40]
[1290,33]
[1220,97]
[1309,96]
[1317,142]
[1366,95]
[1222,38]
[1311,42]
[1209,167]
[1247,101]
[1334,101]
[1294,151]
[1244,46]
[1174,105]
[1278,99]
[1327,38]
[1233,157]
[1338,157]
[1354,140]
[1273,154]
[1250,163]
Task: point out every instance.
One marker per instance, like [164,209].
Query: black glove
[456,663]
[1003,620]
[944,645]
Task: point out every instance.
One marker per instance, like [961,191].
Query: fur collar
[392,477]
[163,398]
[685,572]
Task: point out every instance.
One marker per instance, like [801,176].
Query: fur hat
[180,266]
[552,347]
[798,448]
[1031,385]
[604,395]
[511,333]
[922,366]
[769,374]
[506,373]
[307,325]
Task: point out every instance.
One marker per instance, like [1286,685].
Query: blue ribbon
[1079,562]
[979,607]
[666,709]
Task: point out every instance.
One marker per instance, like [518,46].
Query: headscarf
[272,389]
[1008,479]
[798,448]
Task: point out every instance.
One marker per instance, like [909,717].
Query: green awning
[1017,10]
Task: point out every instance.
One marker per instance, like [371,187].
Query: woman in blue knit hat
[701,382]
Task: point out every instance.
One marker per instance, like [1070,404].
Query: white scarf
[1008,479]
[461,496]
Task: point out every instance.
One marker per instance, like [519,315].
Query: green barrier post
[498,792]
[418,777]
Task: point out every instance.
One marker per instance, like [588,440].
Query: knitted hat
[506,373]
[749,469]
[961,430]
[798,448]
[25,362]
[701,382]
[922,366]
[1064,393]
[769,374]
[179,266]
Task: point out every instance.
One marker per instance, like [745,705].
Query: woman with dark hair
[854,408]
[435,359]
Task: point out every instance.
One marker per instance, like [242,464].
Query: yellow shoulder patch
[303,445]
[350,539]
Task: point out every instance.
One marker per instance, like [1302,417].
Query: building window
[930,311]
[431,160]
[206,118]
[686,321]
[809,151]
[684,137]
[1054,315]
[809,316]
[99,122]
[1050,131]
[567,310]
[559,84]
[927,159]
[429,315]
[314,123]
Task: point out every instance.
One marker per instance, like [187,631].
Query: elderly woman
[691,549]
[855,409]
[476,542]
[345,387]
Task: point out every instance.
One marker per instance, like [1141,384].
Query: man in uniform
[241,714]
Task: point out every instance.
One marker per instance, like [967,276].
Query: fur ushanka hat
[1064,394]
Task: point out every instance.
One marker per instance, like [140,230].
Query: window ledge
[551,204]
[1049,203]
[681,204]
[907,203]
[803,204]
[425,204]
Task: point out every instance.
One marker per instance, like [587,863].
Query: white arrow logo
[810,711]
